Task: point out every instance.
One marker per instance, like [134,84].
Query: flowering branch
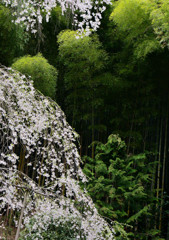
[31,12]
[38,155]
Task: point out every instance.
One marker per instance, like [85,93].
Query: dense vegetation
[113,87]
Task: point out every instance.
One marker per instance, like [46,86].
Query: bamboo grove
[113,87]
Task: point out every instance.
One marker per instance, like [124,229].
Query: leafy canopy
[73,49]
[43,74]
[134,18]
[82,58]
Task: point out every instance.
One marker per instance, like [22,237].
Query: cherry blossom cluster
[39,158]
[31,12]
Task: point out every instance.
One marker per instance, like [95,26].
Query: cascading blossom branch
[40,164]
[31,12]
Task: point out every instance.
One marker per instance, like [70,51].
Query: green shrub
[43,74]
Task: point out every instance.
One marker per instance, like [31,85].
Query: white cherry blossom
[39,158]
[31,12]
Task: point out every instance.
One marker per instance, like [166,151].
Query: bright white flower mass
[86,13]
[39,158]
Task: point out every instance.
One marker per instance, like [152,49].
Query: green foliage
[83,60]
[123,91]
[133,18]
[43,74]
[121,234]
[120,185]
[85,49]
[12,38]
[51,29]
[144,22]
[159,16]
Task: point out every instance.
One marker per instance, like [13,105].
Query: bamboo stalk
[131,129]
[154,168]
[163,173]
[168,230]
[158,170]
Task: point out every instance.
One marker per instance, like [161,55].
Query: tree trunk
[21,217]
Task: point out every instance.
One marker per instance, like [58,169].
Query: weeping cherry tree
[40,165]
